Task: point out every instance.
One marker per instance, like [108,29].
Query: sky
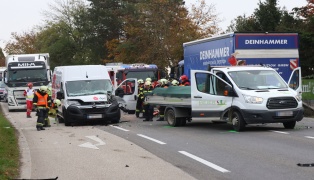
[22,15]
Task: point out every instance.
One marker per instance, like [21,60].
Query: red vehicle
[119,72]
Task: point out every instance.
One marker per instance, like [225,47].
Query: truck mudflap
[265,116]
[79,114]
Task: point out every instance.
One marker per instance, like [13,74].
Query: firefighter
[164,83]
[53,111]
[47,120]
[175,83]
[41,102]
[29,94]
[184,81]
[149,110]
[140,99]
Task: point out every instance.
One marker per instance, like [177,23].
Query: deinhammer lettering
[271,41]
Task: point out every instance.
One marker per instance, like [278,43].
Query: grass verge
[9,150]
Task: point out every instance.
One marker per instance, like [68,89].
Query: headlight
[74,103]
[10,93]
[298,98]
[253,99]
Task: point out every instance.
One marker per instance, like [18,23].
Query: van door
[130,91]
[295,80]
[208,95]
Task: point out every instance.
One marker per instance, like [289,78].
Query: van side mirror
[229,91]
[119,92]
[60,95]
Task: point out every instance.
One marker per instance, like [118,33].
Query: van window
[210,84]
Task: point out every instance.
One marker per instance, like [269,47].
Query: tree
[2,58]
[24,43]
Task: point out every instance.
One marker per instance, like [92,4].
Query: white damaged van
[86,94]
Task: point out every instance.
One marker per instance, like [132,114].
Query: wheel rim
[171,117]
[235,121]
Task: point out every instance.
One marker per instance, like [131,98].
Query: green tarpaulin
[173,91]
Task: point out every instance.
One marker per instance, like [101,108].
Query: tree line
[149,31]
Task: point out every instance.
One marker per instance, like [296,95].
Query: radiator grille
[281,103]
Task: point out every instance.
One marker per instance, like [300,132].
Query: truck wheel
[170,117]
[237,121]
[289,125]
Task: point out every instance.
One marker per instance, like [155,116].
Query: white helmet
[148,79]
[148,83]
[43,89]
[140,81]
[175,82]
[57,102]
[163,81]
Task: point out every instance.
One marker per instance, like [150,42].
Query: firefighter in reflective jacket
[41,101]
[47,120]
[139,102]
[149,110]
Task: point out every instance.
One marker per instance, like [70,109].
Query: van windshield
[257,79]
[88,87]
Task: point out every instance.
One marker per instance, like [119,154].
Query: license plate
[94,116]
[285,113]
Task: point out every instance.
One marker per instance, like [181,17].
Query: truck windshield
[27,75]
[142,75]
[257,79]
[88,87]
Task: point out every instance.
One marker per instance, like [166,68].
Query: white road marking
[281,132]
[89,145]
[95,138]
[93,146]
[214,166]
[119,128]
[149,138]
[310,137]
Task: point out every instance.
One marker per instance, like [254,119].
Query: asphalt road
[214,151]
[84,152]
[134,149]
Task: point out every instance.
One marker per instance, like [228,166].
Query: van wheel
[66,118]
[170,117]
[289,125]
[117,119]
[237,121]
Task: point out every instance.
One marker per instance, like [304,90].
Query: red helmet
[30,84]
[184,78]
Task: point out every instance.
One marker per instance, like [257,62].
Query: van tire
[170,117]
[289,125]
[66,118]
[117,119]
[237,121]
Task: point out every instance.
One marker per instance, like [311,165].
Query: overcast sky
[22,15]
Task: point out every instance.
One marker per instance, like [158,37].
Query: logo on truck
[25,64]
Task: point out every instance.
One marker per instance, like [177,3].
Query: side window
[128,87]
[294,82]
[210,84]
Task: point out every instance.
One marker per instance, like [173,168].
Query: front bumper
[264,116]
[76,114]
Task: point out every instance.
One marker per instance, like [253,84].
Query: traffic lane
[262,143]
[84,152]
